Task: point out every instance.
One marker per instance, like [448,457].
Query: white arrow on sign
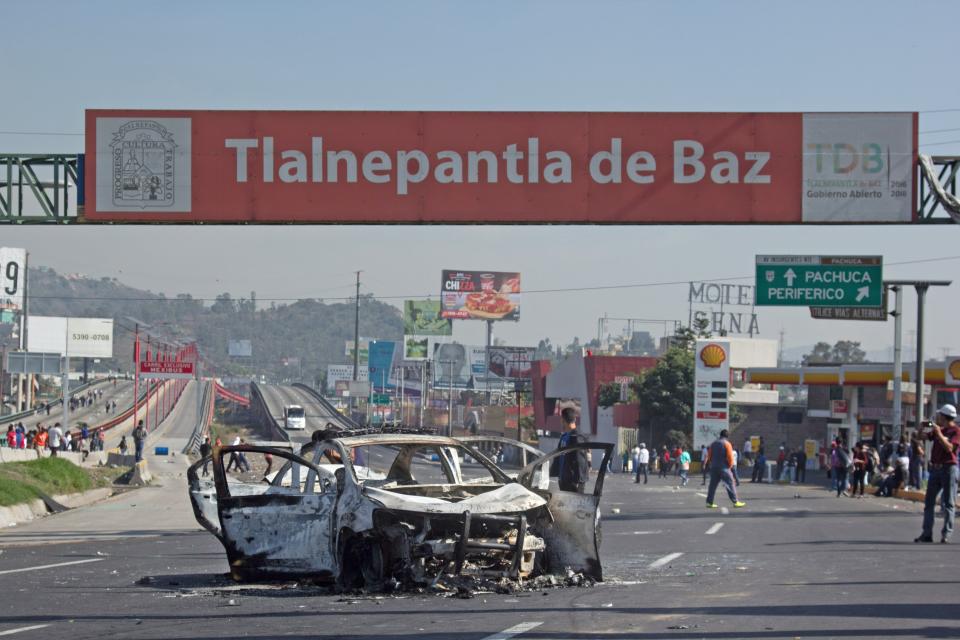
[862,293]
[790,275]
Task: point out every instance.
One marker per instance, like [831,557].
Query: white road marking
[725,511]
[515,630]
[51,566]
[702,495]
[656,564]
[10,632]
[712,530]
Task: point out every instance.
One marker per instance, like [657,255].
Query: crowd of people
[54,439]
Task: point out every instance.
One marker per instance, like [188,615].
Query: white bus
[294,418]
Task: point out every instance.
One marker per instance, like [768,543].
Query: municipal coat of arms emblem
[143,154]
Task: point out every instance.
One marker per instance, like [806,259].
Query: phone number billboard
[480,295]
[499,167]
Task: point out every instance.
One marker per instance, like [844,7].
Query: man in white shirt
[53,439]
[748,450]
[643,462]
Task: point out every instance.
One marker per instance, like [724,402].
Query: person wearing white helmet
[945,435]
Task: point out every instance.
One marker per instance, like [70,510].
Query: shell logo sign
[713,355]
[953,370]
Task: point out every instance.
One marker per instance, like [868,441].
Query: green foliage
[676,437]
[666,391]
[609,394]
[20,481]
[843,351]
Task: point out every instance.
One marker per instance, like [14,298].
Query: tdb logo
[841,157]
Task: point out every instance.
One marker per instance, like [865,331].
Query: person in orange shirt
[720,461]
[40,442]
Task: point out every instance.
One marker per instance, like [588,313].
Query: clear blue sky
[635,56]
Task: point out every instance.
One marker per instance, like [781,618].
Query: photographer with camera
[945,435]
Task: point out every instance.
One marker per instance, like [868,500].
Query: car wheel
[362,564]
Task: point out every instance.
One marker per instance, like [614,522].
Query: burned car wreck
[376,510]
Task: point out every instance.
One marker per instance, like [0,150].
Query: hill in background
[314,331]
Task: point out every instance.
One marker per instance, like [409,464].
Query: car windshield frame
[498,476]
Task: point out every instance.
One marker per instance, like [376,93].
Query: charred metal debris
[391,512]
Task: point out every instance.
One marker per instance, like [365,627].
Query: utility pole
[356,332]
[897,363]
[921,287]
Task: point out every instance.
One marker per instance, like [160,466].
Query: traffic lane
[733,583]
[795,565]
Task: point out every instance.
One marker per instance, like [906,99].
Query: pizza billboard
[480,295]
[499,167]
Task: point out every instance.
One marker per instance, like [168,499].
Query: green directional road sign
[381,399]
[820,281]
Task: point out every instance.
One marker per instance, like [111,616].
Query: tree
[609,394]
[666,391]
[844,351]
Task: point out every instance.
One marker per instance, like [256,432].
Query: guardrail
[258,404]
[344,421]
[203,427]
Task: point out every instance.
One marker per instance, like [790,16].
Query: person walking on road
[683,464]
[703,465]
[205,450]
[945,435]
[572,468]
[139,438]
[720,461]
[643,463]
[859,470]
[664,463]
[840,463]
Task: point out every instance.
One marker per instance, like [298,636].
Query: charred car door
[573,535]
[275,529]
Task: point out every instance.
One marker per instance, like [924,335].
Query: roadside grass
[22,481]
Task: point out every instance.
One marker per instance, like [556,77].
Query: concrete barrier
[24,512]
[117,460]
[17,455]
[141,474]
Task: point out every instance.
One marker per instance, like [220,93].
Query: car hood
[509,498]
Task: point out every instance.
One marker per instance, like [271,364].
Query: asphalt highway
[813,566]
[279,396]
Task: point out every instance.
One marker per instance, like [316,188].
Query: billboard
[342,373]
[458,364]
[511,362]
[480,295]
[711,402]
[88,337]
[382,354]
[499,167]
[240,349]
[422,318]
[415,348]
[13,275]
[364,350]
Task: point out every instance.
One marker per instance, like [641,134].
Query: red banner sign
[492,167]
[160,369]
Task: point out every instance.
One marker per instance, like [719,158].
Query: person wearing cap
[945,435]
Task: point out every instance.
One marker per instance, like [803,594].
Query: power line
[609,287]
